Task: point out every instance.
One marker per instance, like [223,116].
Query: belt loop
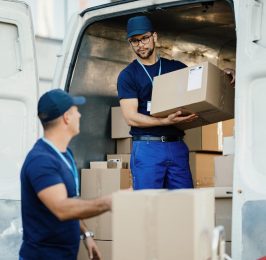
[163,139]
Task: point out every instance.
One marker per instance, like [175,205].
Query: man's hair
[50,124]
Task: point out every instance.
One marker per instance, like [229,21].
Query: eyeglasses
[144,40]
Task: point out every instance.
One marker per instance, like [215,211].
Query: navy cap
[138,25]
[55,103]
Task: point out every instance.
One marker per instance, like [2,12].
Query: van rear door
[18,94]
[249,206]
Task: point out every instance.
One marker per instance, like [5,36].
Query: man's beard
[147,54]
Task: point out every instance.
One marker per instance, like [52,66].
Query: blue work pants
[160,165]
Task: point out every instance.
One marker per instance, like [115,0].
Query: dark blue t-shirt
[44,235]
[133,82]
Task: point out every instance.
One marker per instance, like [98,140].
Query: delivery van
[229,34]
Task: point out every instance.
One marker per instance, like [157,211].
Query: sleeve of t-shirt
[126,86]
[179,65]
[43,173]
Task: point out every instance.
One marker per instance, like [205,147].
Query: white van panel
[18,94]
[249,232]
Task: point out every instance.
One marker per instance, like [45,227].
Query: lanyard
[72,167]
[159,73]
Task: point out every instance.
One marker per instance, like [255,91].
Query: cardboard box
[120,129]
[228,145]
[97,183]
[110,164]
[223,216]
[209,137]
[224,166]
[98,165]
[160,224]
[202,169]
[124,158]
[105,248]
[203,89]
[124,145]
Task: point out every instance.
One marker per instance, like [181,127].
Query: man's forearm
[81,209]
[140,120]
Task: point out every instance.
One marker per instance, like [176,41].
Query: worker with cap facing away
[159,157]
[52,211]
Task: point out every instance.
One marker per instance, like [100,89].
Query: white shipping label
[195,78]
[149,106]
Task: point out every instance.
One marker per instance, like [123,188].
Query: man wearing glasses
[159,156]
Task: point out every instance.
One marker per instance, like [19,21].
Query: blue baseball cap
[138,25]
[55,103]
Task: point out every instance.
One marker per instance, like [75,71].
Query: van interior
[190,32]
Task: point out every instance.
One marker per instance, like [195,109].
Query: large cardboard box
[203,89]
[223,216]
[209,137]
[105,248]
[97,183]
[120,129]
[98,164]
[124,146]
[124,158]
[224,166]
[202,169]
[160,224]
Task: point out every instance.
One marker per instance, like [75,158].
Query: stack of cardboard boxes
[101,179]
[205,145]
[106,177]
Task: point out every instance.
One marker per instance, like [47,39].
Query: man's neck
[58,140]
[150,60]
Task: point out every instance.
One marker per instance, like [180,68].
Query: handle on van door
[18,55]
[256,21]
[218,244]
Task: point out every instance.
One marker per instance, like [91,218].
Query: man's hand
[177,117]
[92,248]
[231,74]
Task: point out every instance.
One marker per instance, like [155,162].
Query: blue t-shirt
[44,235]
[133,82]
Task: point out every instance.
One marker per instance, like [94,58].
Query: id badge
[149,106]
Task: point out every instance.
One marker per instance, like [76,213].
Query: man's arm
[89,243]
[129,109]
[64,208]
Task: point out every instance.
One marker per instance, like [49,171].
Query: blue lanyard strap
[148,74]
[71,167]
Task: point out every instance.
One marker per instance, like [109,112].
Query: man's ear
[66,117]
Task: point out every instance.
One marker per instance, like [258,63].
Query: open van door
[18,94]
[18,119]
[249,206]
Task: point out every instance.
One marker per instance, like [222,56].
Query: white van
[227,33]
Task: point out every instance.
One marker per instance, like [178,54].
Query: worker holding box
[50,205]
[159,158]
[159,155]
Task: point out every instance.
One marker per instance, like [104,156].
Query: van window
[9,51]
